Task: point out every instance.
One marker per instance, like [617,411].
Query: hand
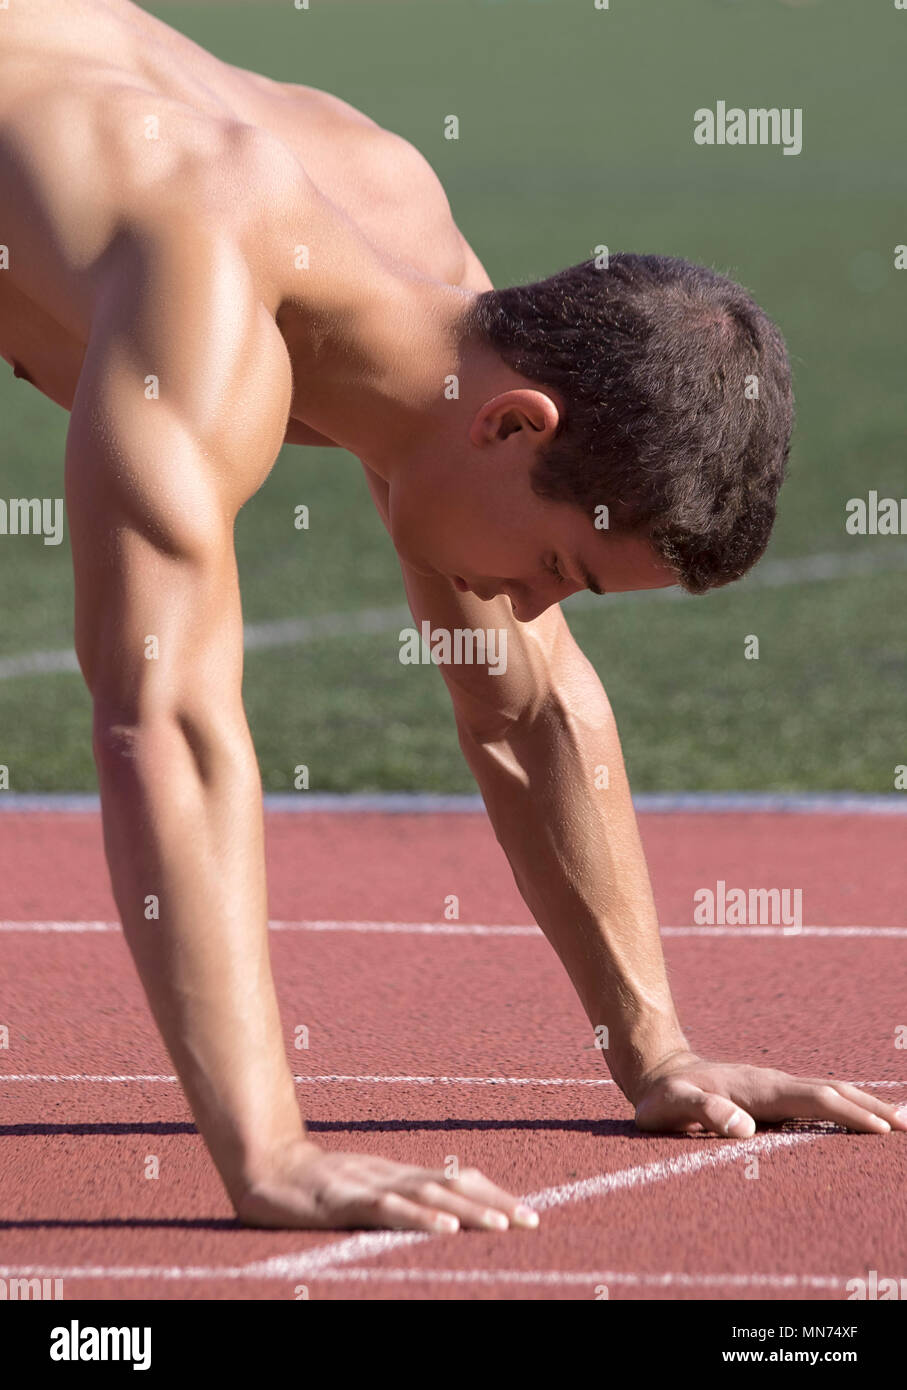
[312,1189]
[687,1094]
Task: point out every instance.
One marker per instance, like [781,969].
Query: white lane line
[791,932]
[112,1078]
[86,1079]
[292,632]
[356,1248]
[467,929]
[368,1245]
[121,1272]
[668,1279]
[77,927]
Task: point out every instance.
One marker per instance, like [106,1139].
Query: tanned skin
[177,258]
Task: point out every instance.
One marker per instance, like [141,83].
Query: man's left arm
[543,745]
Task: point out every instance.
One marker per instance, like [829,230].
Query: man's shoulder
[375,177]
[180,316]
[226,224]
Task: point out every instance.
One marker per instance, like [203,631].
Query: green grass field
[576,129]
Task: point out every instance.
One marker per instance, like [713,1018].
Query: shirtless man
[204,264]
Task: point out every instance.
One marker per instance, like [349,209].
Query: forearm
[576,855]
[184,839]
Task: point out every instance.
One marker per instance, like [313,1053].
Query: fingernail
[884,1126]
[526,1216]
[901,1114]
[744,1126]
[447,1223]
[496,1220]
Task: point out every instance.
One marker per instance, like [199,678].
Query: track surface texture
[431,1038]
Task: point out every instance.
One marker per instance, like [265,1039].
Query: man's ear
[522,409]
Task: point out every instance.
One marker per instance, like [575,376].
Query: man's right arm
[153,487]
[180,412]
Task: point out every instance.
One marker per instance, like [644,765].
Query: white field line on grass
[463,929]
[293,632]
[352,1249]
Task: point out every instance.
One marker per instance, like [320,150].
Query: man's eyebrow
[588,578]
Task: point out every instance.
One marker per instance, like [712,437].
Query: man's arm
[537,739]
[534,739]
[179,414]
[537,736]
[154,481]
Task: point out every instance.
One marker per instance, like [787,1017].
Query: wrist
[634,1057]
[267,1166]
[641,1079]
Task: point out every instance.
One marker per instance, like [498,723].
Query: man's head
[655,389]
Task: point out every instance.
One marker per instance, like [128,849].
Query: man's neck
[370,373]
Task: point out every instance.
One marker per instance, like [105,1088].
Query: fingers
[467,1210]
[394,1211]
[896,1118]
[475,1185]
[416,1199]
[473,1199]
[685,1108]
[719,1115]
[678,1103]
[821,1100]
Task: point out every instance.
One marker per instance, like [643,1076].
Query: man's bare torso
[110,121]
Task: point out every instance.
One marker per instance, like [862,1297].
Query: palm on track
[311,1188]
[691,1095]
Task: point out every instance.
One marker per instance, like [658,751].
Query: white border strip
[431,803]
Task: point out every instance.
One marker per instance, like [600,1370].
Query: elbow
[144,742]
[481,722]
[123,736]
[133,746]
[477,732]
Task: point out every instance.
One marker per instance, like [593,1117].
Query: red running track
[429,1044]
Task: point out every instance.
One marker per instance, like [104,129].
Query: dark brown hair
[651,359]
